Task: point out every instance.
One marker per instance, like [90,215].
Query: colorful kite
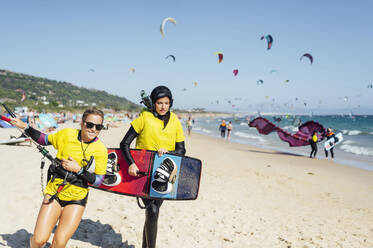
[269,40]
[170,19]
[235,72]
[300,138]
[220,56]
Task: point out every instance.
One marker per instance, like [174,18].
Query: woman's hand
[71,165]
[161,152]
[133,170]
[18,123]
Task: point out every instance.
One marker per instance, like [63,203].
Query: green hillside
[50,95]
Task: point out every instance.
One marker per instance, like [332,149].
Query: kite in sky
[235,72]
[269,40]
[307,55]
[168,19]
[220,56]
[172,56]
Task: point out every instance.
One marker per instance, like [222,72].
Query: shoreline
[350,162]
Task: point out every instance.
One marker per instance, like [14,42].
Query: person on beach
[157,129]
[66,193]
[330,134]
[189,125]
[229,130]
[222,128]
[313,143]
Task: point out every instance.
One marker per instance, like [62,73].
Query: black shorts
[81,202]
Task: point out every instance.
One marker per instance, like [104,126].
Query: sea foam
[359,150]
[250,136]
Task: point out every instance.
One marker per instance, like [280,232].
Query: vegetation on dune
[44,94]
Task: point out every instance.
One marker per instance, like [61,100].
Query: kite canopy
[309,56]
[259,81]
[269,40]
[170,19]
[235,72]
[23,94]
[300,138]
[172,56]
[220,56]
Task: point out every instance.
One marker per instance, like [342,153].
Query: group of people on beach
[314,139]
[66,193]
[225,128]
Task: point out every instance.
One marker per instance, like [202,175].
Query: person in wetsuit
[157,129]
[65,200]
[313,143]
[330,134]
[222,128]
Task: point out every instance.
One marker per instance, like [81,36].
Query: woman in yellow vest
[66,193]
[155,129]
[313,144]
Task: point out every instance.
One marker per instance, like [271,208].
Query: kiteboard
[169,177]
[330,143]
[15,141]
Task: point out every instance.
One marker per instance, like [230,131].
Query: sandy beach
[248,197]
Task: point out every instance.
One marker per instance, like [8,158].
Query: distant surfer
[66,193]
[222,128]
[313,142]
[157,129]
[229,129]
[189,125]
[330,134]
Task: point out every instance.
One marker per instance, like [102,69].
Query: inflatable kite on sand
[300,138]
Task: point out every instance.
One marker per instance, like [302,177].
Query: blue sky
[62,40]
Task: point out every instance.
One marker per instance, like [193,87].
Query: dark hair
[93,111]
[159,92]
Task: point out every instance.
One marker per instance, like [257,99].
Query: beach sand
[248,197]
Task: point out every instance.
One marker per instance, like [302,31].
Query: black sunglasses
[91,125]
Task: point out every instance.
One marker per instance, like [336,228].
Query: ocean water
[355,150]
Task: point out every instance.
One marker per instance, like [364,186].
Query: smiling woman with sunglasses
[66,193]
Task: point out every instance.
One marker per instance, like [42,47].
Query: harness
[56,170]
